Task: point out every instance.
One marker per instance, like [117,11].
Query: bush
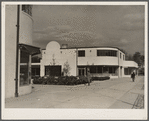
[61,80]
[82,80]
[37,80]
[100,78]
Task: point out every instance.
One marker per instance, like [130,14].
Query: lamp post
[17,51]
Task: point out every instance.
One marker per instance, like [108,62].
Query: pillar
[119,72]
[29,69]
[42,69]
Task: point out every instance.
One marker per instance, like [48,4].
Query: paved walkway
[119,93]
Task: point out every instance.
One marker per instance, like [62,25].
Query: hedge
[100,78]
[61,80]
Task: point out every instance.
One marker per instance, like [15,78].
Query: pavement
[119,93]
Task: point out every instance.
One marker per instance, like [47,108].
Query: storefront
[26,52]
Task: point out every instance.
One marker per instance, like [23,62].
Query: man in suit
[133,76]
[88,76]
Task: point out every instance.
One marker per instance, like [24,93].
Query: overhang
[130,64]
[32,50]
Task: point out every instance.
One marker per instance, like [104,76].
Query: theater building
[101,61]
[26,50]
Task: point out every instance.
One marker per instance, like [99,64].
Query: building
[100,60]
[26,50]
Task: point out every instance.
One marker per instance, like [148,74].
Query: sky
[119,26]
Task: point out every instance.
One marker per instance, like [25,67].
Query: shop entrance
[53,70]
[82,71]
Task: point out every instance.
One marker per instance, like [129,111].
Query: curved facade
[100,60]
[26,28]
[98,56]
[25,37]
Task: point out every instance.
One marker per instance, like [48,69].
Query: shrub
[82,80]
[100,78]
[38,80]
[61,80]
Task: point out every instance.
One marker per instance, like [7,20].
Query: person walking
[88,76]
[133,76]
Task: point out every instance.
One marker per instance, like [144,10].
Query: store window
[93,69]
[99,69]
[81,53]
[35,71]
[24,68]
[112,70]
[27,9]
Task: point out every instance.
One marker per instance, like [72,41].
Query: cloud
[80,35]
[50,32]
[124,41]
[137,16]
[101,25]
[133,22]
[66,34]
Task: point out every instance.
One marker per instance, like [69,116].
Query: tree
[53,60]
[142,60]
[66,69]
[137,58]
[127,56]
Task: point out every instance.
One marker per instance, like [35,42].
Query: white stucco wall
[10,51]
[63,55]
[130,64]
[26,28]
[60,57]
[97,61]
[10,47]
[70,56]
[120,59]
[91,57]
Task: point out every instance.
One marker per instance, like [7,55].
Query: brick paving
[119,93]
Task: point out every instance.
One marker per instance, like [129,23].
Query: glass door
[82,72]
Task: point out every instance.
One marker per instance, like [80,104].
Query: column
[29,69]
[42,69]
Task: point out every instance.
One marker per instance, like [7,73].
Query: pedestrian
[88,76]
[133,76]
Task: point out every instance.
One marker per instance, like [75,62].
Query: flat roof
[94,47]
[31,49]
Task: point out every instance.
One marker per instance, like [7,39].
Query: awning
[32,50]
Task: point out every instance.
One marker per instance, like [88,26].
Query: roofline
[29,45]
[93,47]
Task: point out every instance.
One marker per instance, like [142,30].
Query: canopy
[32,50]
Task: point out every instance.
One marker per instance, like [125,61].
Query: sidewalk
[119,93]
[133,98]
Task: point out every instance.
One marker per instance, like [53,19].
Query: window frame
[109,53]
[81,53]
[24,75]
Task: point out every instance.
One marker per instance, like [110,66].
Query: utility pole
[17,50]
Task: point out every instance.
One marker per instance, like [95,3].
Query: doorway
[53,70]
[82,71]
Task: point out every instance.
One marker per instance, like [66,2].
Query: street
[119,93]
